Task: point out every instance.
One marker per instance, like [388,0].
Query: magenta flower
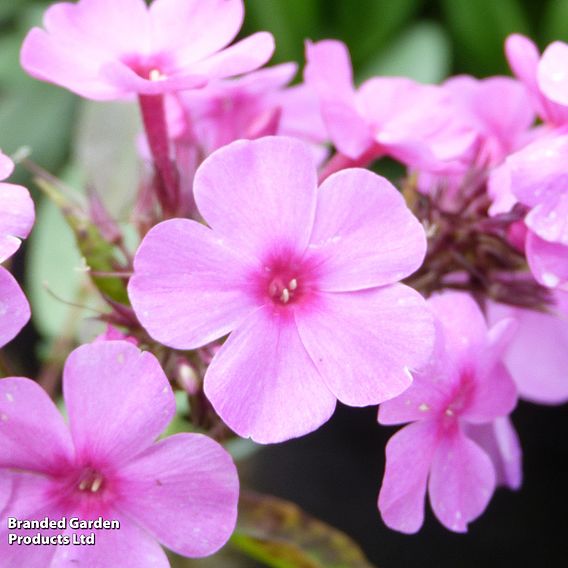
[386,116]
[538,179]
[524,60]
[108,49]
[465,385]
[537,355]
[16,220]
[304,278]
[181,491]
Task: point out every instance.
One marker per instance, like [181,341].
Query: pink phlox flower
[304,279]
[538,179]
[16,220]
[109,49]
[234,109]
[525,61]
[394,116]
[181,491]
[537,355]
[465,385]
[497,111]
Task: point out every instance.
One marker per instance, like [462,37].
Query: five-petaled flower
[109,49]
[306,279]
[181,491]
[465,387]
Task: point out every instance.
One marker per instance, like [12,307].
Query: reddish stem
[154,117]
[340,162]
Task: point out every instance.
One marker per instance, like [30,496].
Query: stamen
[293,284]
[96,485]
[285,296]
[156,75]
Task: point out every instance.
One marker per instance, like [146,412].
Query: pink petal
[463,324]
[118,28]
[118,400]
[33,435]
[77,69]
[494,395]
[500,440]
[328,72]
[126,80]
[184,490]
[178,26]
[538,170]
[462,481]
[14,308]
[6,166]
[130,545]
[553,72]
[270,182]
[549,219]
[385,331]
[263,383]
[523,57]
[5,489]
[537,357]
[16,217]
[409,456]
[548,261]
[189,287]
[364,234]
[244,56]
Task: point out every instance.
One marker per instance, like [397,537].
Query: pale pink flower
[306,279]
[466,384]
[111,49]
[386,116]
[537,355]
[181,491]
[525,62]
[16,220]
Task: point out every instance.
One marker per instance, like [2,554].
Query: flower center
[282,290]
[90,481]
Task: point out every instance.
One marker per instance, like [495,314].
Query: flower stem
[167,185]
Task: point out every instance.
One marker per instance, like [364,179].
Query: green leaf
[367,25]
[104,148]
[279,534]
[480,27]
[555,21]
[422,53]
[53,263]
[290,21]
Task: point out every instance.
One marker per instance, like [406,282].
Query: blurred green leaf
[479,28]
[367,25]
[555,21]
[290,21]
[53,261]
[104,147]
[281,535]
[422,52]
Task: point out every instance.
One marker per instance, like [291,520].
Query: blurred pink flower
[109,49]
[386,116]
[539,180]
[181,491]
[16,220]
[524,60]
[306,279]
[465,384]
[537,355]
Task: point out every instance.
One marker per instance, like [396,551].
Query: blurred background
[333,474]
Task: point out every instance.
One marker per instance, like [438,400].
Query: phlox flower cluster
[275,274]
